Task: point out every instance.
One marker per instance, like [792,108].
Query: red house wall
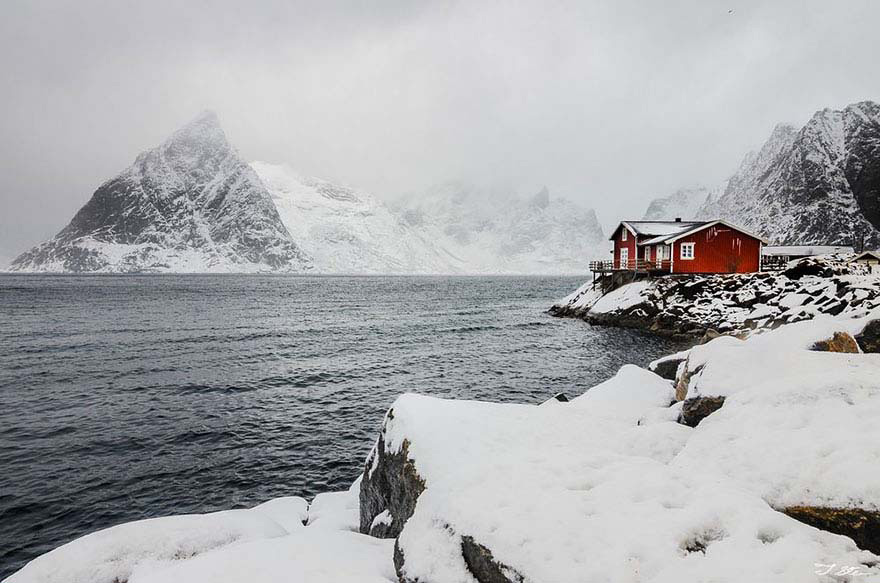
[630,244]
[718,249]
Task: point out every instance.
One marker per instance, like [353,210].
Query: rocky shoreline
[691,307]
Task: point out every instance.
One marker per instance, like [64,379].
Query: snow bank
[585,493]
[798,427]
[112,554]
[269,542]
[304,556]
[336,510]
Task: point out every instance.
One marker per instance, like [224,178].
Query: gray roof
[868,255]
[670,231]
[658,228]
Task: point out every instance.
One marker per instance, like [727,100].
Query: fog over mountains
[818,184]
[192,205]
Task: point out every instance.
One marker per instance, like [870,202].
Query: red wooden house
[684,247]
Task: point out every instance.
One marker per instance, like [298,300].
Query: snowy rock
[304,556]
[584,492]
[869,338]
[839,342]
[736,304]
[336,510]
[390,486]
[112,554]
[696,409]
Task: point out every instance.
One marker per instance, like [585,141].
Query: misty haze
[439,292]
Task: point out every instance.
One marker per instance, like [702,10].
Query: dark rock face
[839,342]
[668,369]
[816,185]
[695,410]
[483,566]
[390,482]
[869,338]
[863,526]
[191,198]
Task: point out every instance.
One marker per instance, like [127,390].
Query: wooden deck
[633,265]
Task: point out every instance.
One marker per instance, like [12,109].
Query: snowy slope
[816,185]
[189,205]
[496,232]
[347,231]
[684,203]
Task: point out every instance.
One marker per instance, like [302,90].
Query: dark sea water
[127,397]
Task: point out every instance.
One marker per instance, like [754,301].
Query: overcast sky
[609,103]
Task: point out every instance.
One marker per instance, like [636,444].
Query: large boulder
[390,486]
[698,408]
[859,524]
[839,342]
[869,338]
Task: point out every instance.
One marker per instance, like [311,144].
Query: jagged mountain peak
[189,204]
[541,200]
[818,184]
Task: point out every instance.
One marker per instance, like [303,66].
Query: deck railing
[630,265]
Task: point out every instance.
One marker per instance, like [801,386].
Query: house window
[623,235]
[687,250]
[624,258]
[647,253]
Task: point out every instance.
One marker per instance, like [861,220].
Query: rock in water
[189,205]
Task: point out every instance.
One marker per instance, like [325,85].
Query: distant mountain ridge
[819,184]
[193,205]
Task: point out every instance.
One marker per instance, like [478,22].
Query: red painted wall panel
[630,244]
[718,249]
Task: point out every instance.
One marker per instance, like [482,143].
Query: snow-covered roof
[805,250]
[671,231]
[868,255]
[656,228]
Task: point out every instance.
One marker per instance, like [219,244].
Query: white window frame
[624,257]
[624,234]
[647,252]
[690,247]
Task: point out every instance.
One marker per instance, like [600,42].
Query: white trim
[623,263]
[624,234]
[675,238]
[687,245]
[626,226]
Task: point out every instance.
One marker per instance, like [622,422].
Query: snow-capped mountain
[189,205]
[684,203]
[348,231]
[495,232]
[193,205]
[819,184]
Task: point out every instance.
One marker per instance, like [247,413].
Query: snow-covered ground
[608,487]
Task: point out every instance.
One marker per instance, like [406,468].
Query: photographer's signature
[833,570]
